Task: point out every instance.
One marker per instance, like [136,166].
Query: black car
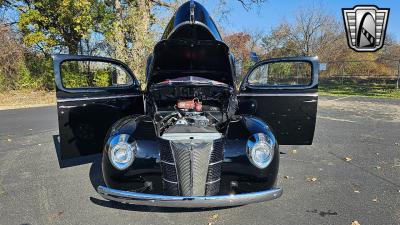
[191,138]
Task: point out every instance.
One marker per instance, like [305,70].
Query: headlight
[260,150]
[121,153]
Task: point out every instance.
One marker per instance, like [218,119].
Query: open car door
[284,93]
[92,94]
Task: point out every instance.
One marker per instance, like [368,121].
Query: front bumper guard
[188,201]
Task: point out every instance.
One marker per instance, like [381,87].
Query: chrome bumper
[188,201]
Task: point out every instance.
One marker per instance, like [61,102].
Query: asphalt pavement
[351,172]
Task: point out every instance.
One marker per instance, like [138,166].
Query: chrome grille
[191,159]
[214,169]
[197,166]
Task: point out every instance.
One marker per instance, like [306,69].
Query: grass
[354,91]
[368,89]
[26,99]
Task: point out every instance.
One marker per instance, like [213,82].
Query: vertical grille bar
[168,170]
[191,167]
[214,169]
[182,154]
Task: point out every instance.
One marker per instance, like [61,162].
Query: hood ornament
[192,7]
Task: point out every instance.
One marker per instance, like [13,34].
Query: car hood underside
[209,59]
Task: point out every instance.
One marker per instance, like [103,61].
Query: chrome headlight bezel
[260,150]
[128,150]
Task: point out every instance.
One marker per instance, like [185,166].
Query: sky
[273,12]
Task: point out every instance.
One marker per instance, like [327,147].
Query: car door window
[290,73]
[93,74]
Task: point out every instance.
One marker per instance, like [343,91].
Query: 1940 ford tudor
[190,139]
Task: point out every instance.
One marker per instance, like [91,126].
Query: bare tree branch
[247,4]
[162,3]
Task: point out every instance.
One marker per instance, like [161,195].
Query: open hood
[191,46]
[178,58]
[191,20]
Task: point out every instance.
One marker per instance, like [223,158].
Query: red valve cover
[190,104]
[186,104]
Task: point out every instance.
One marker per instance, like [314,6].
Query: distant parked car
[190,139]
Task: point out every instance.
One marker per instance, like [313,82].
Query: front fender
[237,167]
[146,165]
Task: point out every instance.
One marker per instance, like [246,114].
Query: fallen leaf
[347,159]
[311,179]
[396,162]
[2,190]
[355,222]
[214,216]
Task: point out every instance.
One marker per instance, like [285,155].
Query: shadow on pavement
[139,208]
[64,163]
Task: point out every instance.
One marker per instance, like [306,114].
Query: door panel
[284,93]
[92,94]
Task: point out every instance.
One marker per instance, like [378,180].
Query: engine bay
[191,126]
[191,111]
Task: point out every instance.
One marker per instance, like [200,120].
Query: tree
[314,32]
[240,46]
[9,49]
[53,25]
[280,43]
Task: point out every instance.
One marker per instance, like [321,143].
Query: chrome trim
[95,98]
[190,23]
[192,7]
[214,181]
[310,101]
[172,182]
[191,136]
[211,164]
[188,201]
[279,94]
[67,106]
[169,163]
[260,139]
[121,139]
